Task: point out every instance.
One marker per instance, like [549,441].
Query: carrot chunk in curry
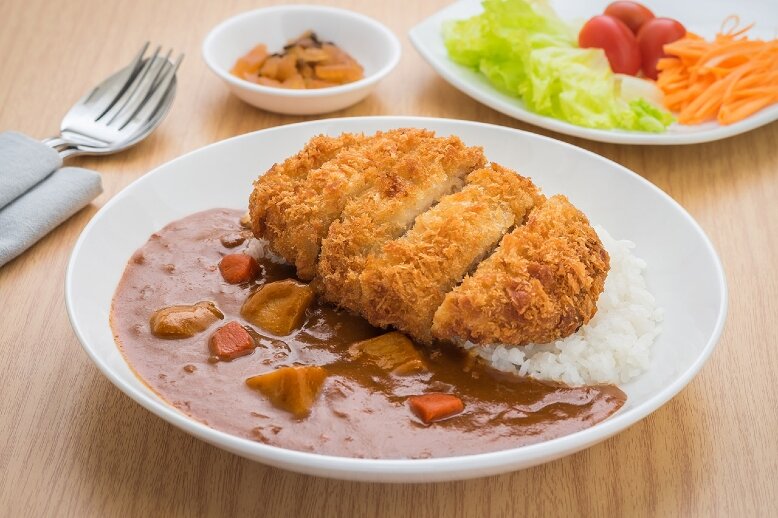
[237,268]
[185,320]
[293,389]
[435,406]
[391,351]
[231,341]
[278,307]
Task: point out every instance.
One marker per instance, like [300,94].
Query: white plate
[684,273]
[701,18]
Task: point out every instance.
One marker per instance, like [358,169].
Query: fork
[122,110]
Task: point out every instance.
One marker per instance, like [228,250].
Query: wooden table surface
[71,444]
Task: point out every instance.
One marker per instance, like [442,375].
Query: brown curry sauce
[361,409]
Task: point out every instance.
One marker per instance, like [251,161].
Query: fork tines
[147,83]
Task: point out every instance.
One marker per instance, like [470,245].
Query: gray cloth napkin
[36,194]
[23,163]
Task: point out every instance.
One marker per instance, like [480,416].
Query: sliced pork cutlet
[281,179]
[298,221]
[386,211]
[406,282]
[541,284]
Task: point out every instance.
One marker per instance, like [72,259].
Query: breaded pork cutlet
[541,284]
[384,227]
[296,222]
[281,179]
[405,282]
[384,212]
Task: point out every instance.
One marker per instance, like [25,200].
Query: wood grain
[73,445]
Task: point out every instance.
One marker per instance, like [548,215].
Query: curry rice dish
[368,303]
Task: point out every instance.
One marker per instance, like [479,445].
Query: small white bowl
[373,45]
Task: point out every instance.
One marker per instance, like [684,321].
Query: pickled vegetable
[304,63]
[338,73]
[249,64]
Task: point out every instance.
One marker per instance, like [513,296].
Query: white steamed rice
[614,347]
[260,249]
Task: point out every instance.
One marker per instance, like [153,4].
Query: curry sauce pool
[361,409]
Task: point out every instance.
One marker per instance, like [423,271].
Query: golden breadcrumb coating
[281,179]
[405,283]
[296,223]
[416,181]
[541,284]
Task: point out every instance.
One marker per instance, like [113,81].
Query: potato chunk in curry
[278,307]
[391,351]
[293,389]
[185,320]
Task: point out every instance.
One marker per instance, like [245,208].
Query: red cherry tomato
[615,38]
[652,37]
[633,14]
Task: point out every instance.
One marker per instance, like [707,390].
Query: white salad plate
[704,19]
[684,273]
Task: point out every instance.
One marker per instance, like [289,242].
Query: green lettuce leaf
[524,49]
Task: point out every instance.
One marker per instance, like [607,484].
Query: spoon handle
[69,151]
[62,146]
[55,142]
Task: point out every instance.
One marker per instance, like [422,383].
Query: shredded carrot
[727,79]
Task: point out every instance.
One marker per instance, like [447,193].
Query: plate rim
[398,470]
[486,96]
